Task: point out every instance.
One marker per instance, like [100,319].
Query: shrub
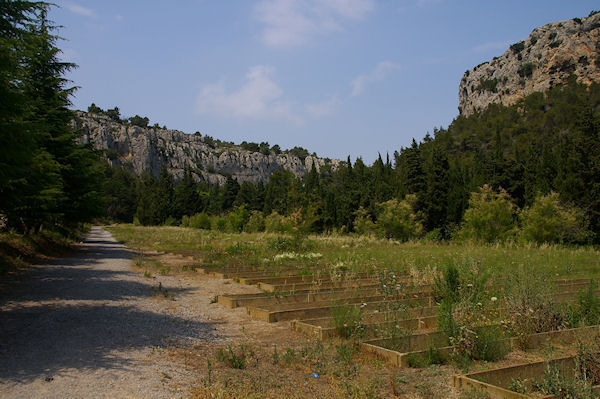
[363,223]
[549,221]
[488,85]
[238,218]
[220,224]
[197,221]
[517,47]
[526,70]
[397,219]
[256,222]
[232,358]
[490,216]
[555,43]
[274,223]
[586,309]
[347,320]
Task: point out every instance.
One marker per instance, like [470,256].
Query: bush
[447,286]
[347,320]
[526,70]
[238,218]
[517,47]
[397,219]
[363,224]
[490,216]
[170,221]
[274,223]
[197,221]
[549,221]
[220,224]
[256,223]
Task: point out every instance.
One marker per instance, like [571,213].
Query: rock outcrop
[148,149]
[547,58]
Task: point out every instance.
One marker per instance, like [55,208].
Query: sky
[337,77]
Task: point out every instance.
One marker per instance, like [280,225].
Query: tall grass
[364,253]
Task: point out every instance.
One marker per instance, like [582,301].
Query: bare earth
[89,326]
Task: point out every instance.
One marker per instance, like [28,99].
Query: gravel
[89,327]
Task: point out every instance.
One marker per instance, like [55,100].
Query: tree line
[545,146]
[46,178]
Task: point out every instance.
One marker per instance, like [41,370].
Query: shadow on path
[84,313]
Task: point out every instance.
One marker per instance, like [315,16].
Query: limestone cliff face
[147,149]
[545,59]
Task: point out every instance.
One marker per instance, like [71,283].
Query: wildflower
[494,299]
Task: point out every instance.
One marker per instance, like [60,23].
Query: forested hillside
[547,142]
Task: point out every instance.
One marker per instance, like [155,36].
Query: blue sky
[338,77]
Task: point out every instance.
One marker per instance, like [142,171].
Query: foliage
[396,219]
[517,47]
[526,70]
[238,218]
[198,221]
[550,221]
[488,85]
[256,222]
[234,358]
[139,121]
[347,320]
[490,217]
[47,179]
[363,223]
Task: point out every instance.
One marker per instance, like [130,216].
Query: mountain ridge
[547,58]
[147,149]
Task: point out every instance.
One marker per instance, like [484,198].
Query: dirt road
[88,326]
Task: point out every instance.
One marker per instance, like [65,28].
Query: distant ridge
[147,149]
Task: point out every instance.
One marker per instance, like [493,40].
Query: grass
[358,253]
[473,270]
[17,250]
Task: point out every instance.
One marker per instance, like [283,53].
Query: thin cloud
[258,98]
[119,17]
[323,109]
[381,71]
[84,11]
[289,23]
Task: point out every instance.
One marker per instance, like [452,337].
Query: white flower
[494,299]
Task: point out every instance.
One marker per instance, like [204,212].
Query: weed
[430,357]
[138,261]
[163,292]
[232,358]
[344,353]
[290,356]
[520,385]
[562,386]
[240,248]
[147,274]
[208,372]
[447,286]
[347,320]
[165,271]
[214,299]
[275,355]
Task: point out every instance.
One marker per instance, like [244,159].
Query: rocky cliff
[147,149]
[545,59]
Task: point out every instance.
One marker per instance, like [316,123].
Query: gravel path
[90,327]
